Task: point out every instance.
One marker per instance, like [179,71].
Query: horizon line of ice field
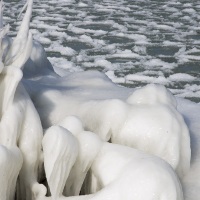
[133,42]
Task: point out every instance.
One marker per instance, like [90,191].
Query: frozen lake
[133,42]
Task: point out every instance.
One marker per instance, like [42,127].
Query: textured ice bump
[151,95]
[73,124]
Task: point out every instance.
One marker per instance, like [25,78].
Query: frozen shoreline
[92,135]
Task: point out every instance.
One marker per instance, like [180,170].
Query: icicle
[60,152]
[9,80]
[3,32]
[22,44]
[89,147]
[24,7]
[29,142]
[10,165]
[1,14]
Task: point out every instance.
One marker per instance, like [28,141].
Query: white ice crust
[70,125]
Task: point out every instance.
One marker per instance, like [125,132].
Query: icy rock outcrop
[25,131]
[155,126]
[148,120]
[122,172]
[116,171]
[10,155]
[21,130]
[30,145]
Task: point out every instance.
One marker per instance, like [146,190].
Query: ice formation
[146,120]
[155,107]
[84,114]
[60,153]
[21,130]
[113,166]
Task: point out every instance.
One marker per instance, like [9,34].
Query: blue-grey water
[134,42]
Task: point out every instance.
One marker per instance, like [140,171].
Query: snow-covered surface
[134,42]
[71,122]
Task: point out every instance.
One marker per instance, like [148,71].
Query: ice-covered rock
[146,119]
[60,153]
[116,171]
[30,139]
[121,172]
[21,130]
[155,126]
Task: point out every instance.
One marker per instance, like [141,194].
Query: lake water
[134,42]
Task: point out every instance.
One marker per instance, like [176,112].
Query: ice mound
[151,95]
[121,172]
[154,118]
[84,114]
[135,122]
